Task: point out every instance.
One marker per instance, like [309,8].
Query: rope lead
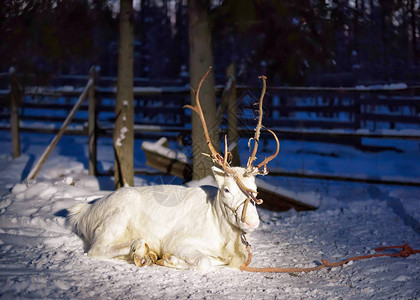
[405,252]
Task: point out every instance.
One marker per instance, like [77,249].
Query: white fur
[184,227]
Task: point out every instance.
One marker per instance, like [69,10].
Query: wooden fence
[292,112]
[312,111]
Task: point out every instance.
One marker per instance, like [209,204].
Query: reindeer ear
[219,175]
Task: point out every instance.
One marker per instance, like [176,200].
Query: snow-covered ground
[40,257]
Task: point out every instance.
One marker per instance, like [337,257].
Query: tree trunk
[413,31]
[124,109]
[200,59]
[16,98]
[92,124]
[233,115]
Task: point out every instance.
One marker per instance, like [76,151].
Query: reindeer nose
[252,222]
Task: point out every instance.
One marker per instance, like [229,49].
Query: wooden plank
[406,101]
[106,108]
[345,178]
[348,134]
[304,89]
[146,91]
[52,93]
[168,166]
[270,122]
[54,106]
[26,117]
[390,118]
[45,130]
[313,108]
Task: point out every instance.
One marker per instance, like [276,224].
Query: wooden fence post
[16,94]
[357,119]
[92,124]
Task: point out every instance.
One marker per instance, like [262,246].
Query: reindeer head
[234,202]
[237,186]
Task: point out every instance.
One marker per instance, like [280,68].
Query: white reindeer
[195,227]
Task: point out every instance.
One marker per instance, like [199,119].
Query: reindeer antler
[216,157]
[250,168]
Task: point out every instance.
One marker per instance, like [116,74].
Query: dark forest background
[306,42]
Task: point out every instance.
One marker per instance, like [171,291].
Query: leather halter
[235,211]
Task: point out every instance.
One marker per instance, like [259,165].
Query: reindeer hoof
[147,260]
[142,255]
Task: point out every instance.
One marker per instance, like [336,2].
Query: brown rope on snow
[405,252]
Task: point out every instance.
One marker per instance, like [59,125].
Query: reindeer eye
[227,190]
